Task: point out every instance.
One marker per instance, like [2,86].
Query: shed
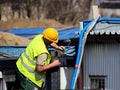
[101,58]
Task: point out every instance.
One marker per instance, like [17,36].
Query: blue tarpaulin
[12,50]
[31,32]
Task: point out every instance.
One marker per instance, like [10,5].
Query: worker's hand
[62,48]
[54,45]
[56,63]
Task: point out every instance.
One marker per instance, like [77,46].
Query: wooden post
[95,11]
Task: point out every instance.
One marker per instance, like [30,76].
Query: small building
[101,58]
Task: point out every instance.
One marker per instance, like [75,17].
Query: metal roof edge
[101,19]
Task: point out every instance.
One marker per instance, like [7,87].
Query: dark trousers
[23,83]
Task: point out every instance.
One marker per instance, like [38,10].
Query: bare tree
[68,12]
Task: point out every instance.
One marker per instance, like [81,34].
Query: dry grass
[29,24]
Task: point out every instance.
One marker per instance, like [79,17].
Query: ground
[9,39]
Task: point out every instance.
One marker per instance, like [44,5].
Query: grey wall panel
[102,59]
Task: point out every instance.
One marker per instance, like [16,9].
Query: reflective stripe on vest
[29,69]
[31,61]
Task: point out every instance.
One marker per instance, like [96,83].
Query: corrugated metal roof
[106,29]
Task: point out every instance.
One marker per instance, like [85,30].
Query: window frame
[97,82]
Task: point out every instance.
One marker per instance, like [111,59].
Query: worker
[35,60]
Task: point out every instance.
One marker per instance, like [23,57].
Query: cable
[82,40]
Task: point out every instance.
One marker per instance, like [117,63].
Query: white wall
[65,77]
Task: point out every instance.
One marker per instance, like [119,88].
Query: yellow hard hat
[51,34]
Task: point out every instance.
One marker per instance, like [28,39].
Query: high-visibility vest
[26,64]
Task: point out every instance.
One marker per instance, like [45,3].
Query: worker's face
[47,42]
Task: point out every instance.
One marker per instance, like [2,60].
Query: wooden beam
[95,11]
